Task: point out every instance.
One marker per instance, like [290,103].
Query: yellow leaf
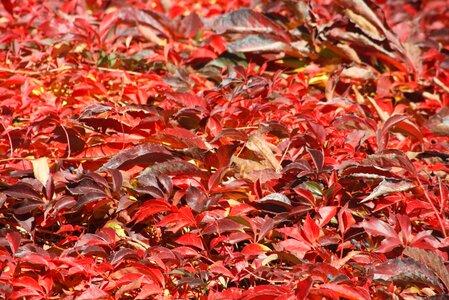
[119,231]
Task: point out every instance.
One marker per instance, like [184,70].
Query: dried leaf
[174,167]
[362,10]
[258,43]
[41,170]
[388,186]
[358,72]
[365,25]
[245,20]
[258,144]
[275,202]
[432,260]
[406,272]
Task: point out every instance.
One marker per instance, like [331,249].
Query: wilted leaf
[173,167]
[387,186]
[390,158]
[275,199]
[406,272]
[432,260]
[365,25]
[259,43]
[41,170]
[247,21]
[439,123]
[358,72]
[258,144]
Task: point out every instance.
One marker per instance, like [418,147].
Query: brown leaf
[247,21]
[258,144]
[432,260]
[365,25]
[439,123]
[358,72]
[359,40]
[406,272]
[359,9]
[253,170]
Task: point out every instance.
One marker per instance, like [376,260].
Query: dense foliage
[226,149]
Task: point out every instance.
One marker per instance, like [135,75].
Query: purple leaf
[142,154]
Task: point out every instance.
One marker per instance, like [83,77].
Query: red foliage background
[224,149]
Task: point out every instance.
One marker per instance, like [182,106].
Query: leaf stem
[440,221]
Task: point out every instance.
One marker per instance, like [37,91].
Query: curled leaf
[387,186]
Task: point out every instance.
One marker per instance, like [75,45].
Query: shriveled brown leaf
[432,260]
[365,25]
[406,272]
[258,144]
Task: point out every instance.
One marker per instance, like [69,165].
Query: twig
[65,68]
[35,72]
[440,221]
[59,158]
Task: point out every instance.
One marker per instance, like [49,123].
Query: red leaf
[8,5]
[187,100]
[311,230]
[326,214]
[255,249]
[219,269]
[195,198]
[177,220]
[318,158]
[297,248]
[345,291]
[149,208]
[269,292]
[303,288]
[192,24]
[93,293]
[190,239]
[376,227]
[13,239]
[35,259]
